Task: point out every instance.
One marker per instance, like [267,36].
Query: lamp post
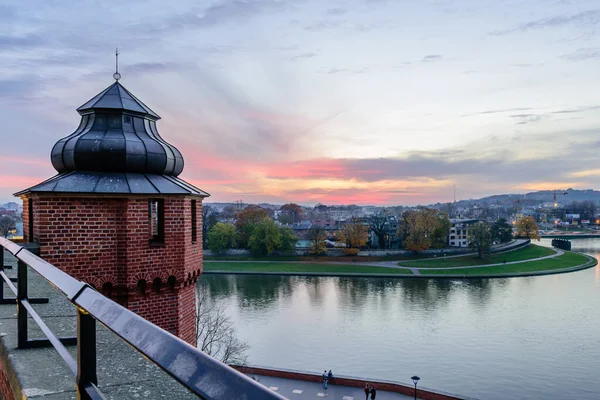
[415,380]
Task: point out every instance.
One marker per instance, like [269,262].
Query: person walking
[373,392]
[330,376]
[324,376]
[367,391]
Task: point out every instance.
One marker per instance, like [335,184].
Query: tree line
[417,230]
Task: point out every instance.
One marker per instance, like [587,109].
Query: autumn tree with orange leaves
[355,235]
[423,229]
[527,227]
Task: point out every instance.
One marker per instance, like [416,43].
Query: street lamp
[415,380]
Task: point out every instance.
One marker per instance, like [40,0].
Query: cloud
[336,11]
[303,56]
[498,111]
[224,12]
[583,54]
[323,25]
[526,118]
[585,173]
[582,19]
[19,42]
[140,68]
[577,109]
[345,70]
[431,58]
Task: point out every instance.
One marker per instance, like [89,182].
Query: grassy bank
[567,260]
[316,259]
[530,252]
[311,268]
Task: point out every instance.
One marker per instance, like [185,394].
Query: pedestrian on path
[324,376]
[373,393]
[367,391]
[330,376]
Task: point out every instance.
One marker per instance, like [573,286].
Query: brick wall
[5,390]
[106,242]
[25,220]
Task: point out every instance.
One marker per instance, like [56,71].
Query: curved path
[416,270]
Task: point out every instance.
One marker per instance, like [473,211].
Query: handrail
[201,374]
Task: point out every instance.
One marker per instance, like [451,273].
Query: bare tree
[216,333]
[379,225]
[6,224]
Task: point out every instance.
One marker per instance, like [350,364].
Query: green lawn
[314,268]
[565,261]
[529,252]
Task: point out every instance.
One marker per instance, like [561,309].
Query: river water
[517,338]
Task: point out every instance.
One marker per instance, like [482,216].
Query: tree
[209,219]
[317,236]
[216,334]
[423,229]
[6,224]
[379,225]
[266,237]
[229,212]
[246,221]
[501,231]
[586,209]
[527,227]
[288,239]
[481,238]
[221,237]
[355,235]
[290,213]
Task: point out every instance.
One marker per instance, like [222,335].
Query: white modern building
[459,232]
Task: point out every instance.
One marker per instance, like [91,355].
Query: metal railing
[198,372]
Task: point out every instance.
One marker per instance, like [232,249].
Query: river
[517,338]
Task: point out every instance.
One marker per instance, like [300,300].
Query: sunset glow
[277,101]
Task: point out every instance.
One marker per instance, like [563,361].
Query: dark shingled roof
[114,183]
[117,97]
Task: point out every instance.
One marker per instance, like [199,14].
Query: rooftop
[116,97]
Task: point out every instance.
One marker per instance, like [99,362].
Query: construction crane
[554,197]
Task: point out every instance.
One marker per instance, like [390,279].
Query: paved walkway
[557,254]
[295,389]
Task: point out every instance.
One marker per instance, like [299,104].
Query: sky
[335,102]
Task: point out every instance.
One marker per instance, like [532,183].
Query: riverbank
[531,260]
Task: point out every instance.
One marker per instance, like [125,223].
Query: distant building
[12,206]
[459,235]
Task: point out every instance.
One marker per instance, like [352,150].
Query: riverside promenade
[301,390]
[302,385]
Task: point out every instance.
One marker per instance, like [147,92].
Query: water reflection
[250,290]
[525,338]
[259,292]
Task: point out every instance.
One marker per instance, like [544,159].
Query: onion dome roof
[117,133]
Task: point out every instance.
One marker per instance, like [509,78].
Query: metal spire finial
[117,75]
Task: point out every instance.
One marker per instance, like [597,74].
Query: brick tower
[117,216]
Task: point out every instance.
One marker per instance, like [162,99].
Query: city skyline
[365,102]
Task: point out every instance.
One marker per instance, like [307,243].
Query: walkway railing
[198,372]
